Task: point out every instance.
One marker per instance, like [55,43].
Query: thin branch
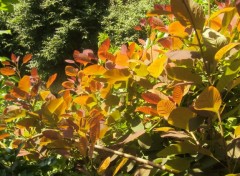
[140,160]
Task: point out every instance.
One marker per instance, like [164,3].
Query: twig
[140,160]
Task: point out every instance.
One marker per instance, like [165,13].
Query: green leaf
[188,13]
[180,117]
[177,149]
[5,32]
[145,141]
[178,164]
[183,74]
[229,75]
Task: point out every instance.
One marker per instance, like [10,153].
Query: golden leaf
[104,165]
[165,107]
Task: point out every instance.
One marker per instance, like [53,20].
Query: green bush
[52,29]
[123,16]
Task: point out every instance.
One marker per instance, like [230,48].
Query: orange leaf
[177,29]
[94,70]
[68,84]
[151,97]
[165,107]
[71,71]
[122,60]
[7,71]
[83,145]
[51,79]
[104,165]
[27,58]
[18,93]
[103,53]
[146,110]
[178,92]
[3,136]
[24,84]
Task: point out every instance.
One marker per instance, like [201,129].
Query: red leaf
[81,58]
[14,58]
[51,79]
[3,136]
[52,134]
[147,110]
[27,58]
[34,73]
[151,98]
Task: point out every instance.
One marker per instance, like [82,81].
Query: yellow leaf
[104,165]
[44,94]
[165,107]
[25,84]
[157,66]
[120,165]
[115,75]
[209,100]
[224,50]
[237,131]
[54,104]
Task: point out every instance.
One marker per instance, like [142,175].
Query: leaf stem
[140,160]
[224,141]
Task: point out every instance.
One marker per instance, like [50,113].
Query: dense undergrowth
[166,105]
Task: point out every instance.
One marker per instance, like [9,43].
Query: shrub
[167,105]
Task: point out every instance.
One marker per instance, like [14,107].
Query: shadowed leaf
[180,117]
[188,13]
[209,100]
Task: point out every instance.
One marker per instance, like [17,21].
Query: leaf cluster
[168,104]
